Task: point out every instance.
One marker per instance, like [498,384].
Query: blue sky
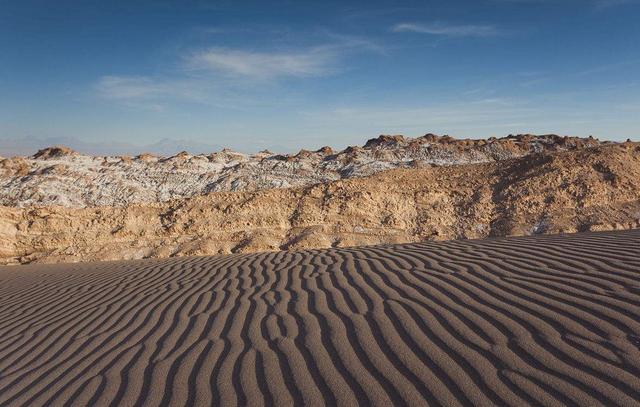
[290,74]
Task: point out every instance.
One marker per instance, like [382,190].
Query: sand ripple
[547,320]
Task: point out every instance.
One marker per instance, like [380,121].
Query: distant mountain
[26,146]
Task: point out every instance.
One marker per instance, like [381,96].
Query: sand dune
[544,320]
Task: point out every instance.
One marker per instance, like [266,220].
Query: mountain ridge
[59,176]
[585,189]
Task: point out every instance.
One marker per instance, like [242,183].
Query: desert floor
[544,320]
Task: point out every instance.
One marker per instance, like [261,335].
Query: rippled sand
[552,320]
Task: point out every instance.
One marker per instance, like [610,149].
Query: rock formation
[60,176]
[559,189]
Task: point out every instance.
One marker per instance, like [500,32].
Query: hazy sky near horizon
[291,74]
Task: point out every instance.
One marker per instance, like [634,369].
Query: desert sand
[539,320]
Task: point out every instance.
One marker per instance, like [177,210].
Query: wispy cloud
[158,93]
[473,112]
[146,92]
[128,87]
[604,68]
[448,30]
[264,65]
[229,77]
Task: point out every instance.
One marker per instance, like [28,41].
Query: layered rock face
[531,187]
[62,177]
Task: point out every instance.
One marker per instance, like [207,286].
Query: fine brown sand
[545,320]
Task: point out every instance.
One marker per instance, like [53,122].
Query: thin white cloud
[157,93]
[474,112]
[604,68]
[229,78]
[149,93]
[315,61]
[128,87]
[448,30]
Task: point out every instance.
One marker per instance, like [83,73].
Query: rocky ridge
[58,176]
[555,190]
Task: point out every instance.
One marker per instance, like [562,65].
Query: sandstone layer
[596,188]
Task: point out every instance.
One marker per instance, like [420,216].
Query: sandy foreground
[544,320]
